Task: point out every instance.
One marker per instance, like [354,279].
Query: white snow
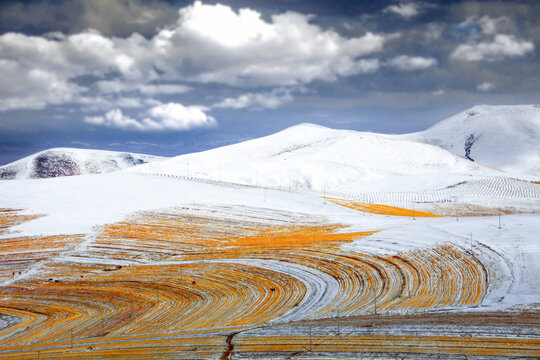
[75,205]
[508,136]
[74,162]
[306,159]
[378,168]
[317,158]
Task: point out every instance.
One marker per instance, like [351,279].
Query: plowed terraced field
[184,282]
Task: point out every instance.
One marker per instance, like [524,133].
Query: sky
[173,77]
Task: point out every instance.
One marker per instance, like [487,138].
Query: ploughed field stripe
[197,272]
[381,209]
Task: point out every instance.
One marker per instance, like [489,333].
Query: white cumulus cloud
[406,10]
[33,88]
[439,92]
[163,117]
[115,119]
[174,116]
[42,69]
[164,89]
[502,46]
[108,86]
[240,48]
[491,26]
[269,100]
[207,44]
[410,63]
[485,86]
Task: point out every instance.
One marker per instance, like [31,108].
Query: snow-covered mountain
[315,157]
[67,161]
[503,137]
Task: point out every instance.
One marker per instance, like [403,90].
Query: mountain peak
[308,125]
[506,137]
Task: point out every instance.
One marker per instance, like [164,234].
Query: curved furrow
[175,272]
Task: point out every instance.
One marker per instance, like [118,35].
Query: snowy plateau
[308,243]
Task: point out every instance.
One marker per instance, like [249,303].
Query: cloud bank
[151,67]
[208,44]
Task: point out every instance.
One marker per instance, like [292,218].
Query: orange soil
[381,209]
[11,217]
[98,301]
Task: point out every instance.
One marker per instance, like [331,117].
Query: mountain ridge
[497,137]
[316,158]
[505,137]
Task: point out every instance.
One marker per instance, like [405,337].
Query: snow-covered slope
[67,161]
[504,137]
[81,204]
[315,157]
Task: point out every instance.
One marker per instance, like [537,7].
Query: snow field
[490,188]
[200,270]
[205,262]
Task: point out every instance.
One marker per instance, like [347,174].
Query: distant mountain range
[482,140]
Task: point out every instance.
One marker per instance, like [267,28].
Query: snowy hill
[503,137]
[67,161]
[314,157]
